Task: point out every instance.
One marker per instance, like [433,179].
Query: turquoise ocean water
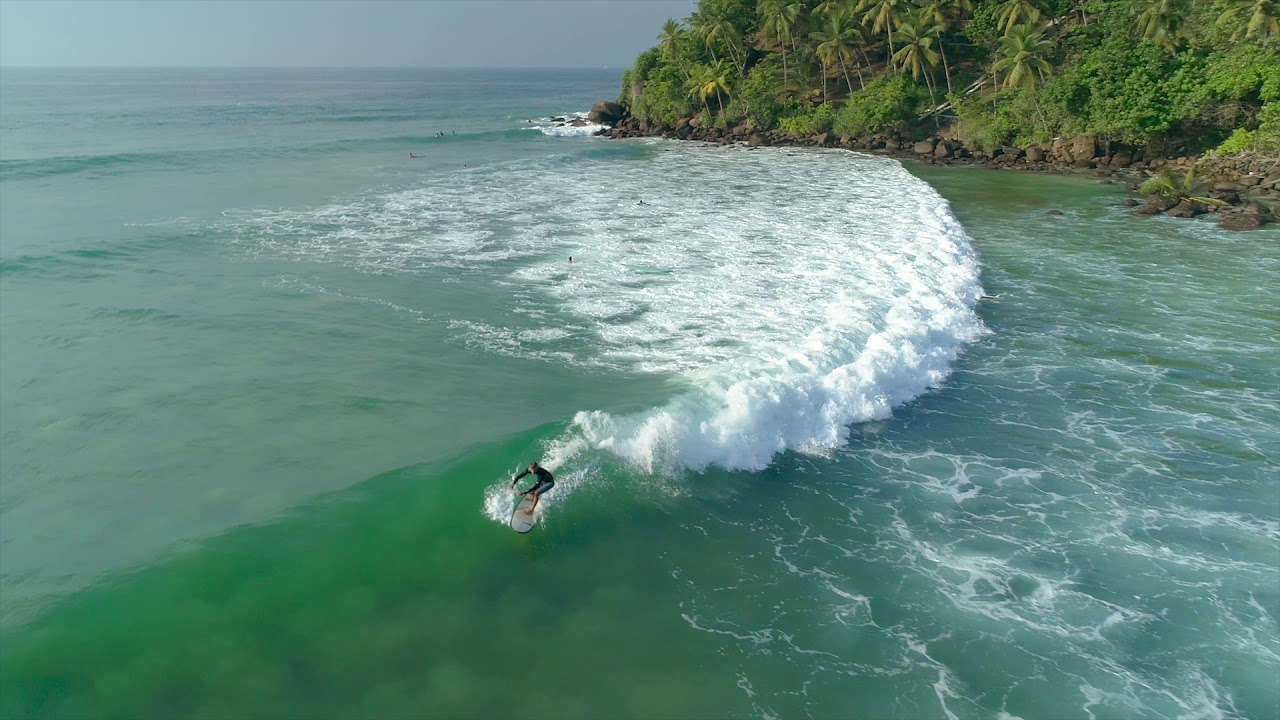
[264,378]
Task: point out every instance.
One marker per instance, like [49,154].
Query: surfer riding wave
[545,482]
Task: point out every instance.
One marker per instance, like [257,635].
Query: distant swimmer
[414,157]
[545,483]
[570,259]
[642,203]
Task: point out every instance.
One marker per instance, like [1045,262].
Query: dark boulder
[606,112]
[1035,154]
[1121,160]
[1186,209]
[1084,163]
[1084,147]
[923,147]
[1156,204]
[1250,181]
[757,140]
[1240,221]
[1249,217]
[1132,202]
[1054,213]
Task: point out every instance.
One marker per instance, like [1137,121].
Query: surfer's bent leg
[537,490]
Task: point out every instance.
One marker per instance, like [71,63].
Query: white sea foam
[562,125]
[791,310]
[794,293]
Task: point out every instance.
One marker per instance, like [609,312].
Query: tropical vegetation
[1183,75]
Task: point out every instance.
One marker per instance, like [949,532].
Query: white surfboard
[523,517]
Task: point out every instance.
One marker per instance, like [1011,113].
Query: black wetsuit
[545,481]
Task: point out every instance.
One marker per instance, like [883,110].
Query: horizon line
[310,67]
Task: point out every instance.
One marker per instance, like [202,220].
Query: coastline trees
[1018,12]
[1160,22]
[708,79]
[1199,73]
[916,34]
[780,18]
[946,16]
[1262,19]
[836,45]
[882,16]
[1022,57]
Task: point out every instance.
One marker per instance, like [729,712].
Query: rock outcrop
[606,112]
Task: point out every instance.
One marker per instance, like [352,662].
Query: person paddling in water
[545,483]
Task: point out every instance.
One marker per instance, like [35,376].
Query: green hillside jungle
[1177,77]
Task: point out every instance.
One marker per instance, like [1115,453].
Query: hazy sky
[342,33]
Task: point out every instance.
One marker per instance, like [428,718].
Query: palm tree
[711,23]
[836,45]
[700,22]
[1022,56]
[1263,19]
[1017,12]
[882,16]
[828,9]
[669,41]
[803,62]
[779,18]
[916,34]
[707,79]
[946,15]
[1160,21]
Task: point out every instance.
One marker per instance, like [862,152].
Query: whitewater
[263,390]
[791,294]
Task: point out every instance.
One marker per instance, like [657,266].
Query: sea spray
[786,325]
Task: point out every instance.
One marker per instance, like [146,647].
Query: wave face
[790,293]
[793,292]
[847,294]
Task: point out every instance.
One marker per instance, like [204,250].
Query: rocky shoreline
[1244,189]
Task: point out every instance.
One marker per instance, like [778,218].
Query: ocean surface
[264,379]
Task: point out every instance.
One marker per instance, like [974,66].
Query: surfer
[413,157]
[545,482]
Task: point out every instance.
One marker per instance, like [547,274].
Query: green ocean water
[263,380]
